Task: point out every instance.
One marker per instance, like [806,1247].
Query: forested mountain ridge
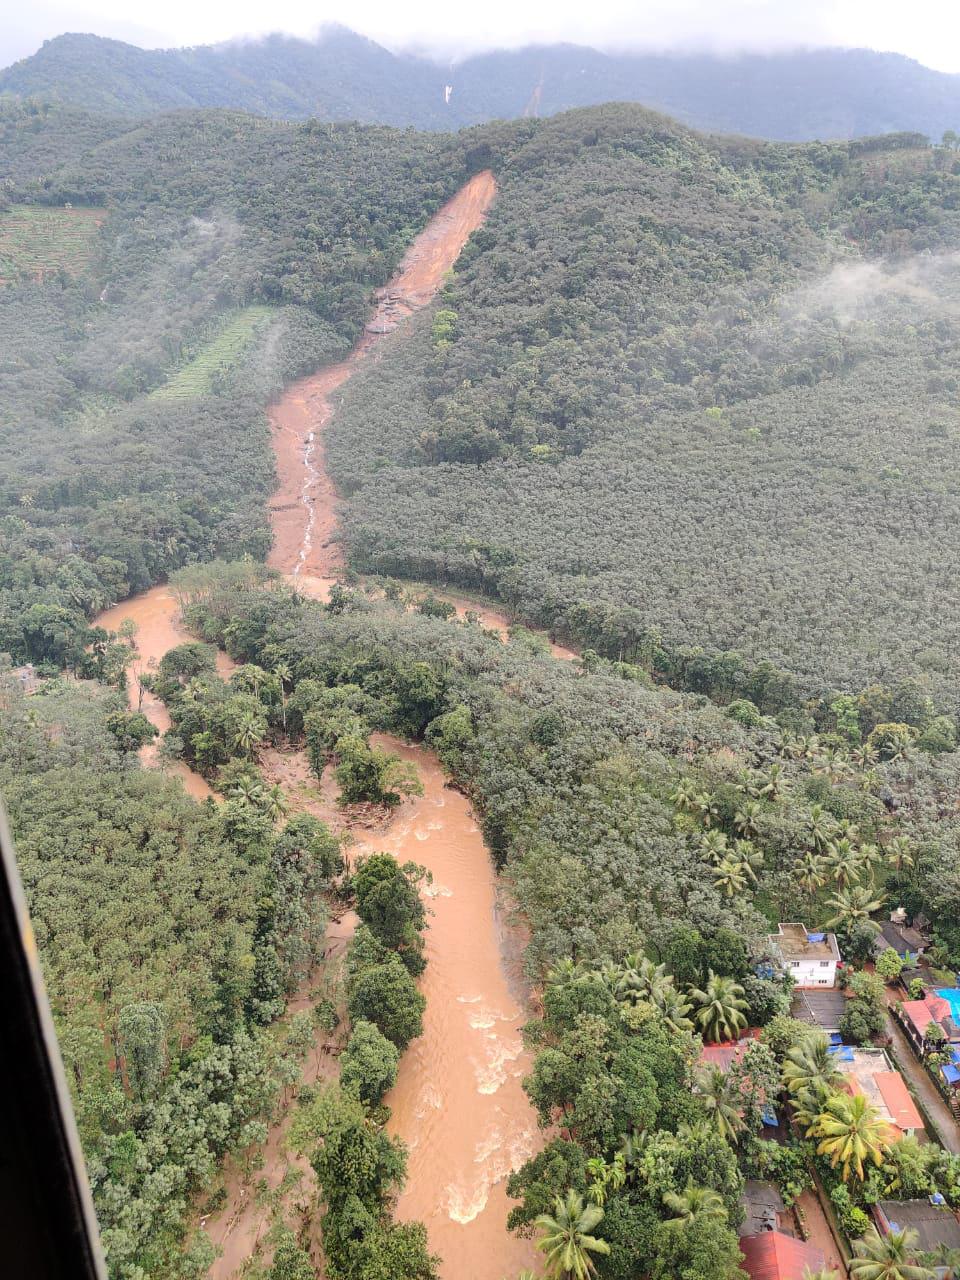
[802,94]
[233,251]
[711,403]
[679,393]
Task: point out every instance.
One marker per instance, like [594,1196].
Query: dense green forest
[233,255]
[690,402]
[686,394]
[171,934]
[796,94]
[650,840]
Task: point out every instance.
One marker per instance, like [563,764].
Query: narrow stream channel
[458,1102]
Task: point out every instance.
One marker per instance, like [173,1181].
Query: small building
[730,1051]
[934,1222]
[773,1255]
[918,1016]
[26,676]
[819,1008]
[909,944]
[811,959]
[764,1209]
[870,1072]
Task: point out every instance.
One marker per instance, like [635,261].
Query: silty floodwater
[458,1102]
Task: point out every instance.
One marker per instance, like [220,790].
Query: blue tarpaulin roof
[769,1116]
[951,1074]
[816,937]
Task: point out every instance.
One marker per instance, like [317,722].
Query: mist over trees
[134,440]
[689,402]
[686,394]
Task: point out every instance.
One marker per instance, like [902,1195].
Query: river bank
[458,1104]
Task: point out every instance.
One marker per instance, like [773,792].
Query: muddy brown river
[458,1102]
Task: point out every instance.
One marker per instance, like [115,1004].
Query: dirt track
[303,508]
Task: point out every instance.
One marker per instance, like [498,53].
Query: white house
[811,959]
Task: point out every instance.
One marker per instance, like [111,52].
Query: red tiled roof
[901,1106]
[922,1012]
[726,1054]
[775,1256]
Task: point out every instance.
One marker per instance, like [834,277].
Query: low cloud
[854,291]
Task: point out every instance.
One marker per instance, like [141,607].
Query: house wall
[814,973]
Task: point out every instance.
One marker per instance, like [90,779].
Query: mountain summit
[793,96]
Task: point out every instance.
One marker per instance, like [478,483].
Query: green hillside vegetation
[690,402]
[651,842]
[218,359]
[689,397]
[37,242]
[793,95]
[132,396]
[170,934]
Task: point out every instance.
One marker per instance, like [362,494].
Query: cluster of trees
[104,487]
[646,1176]
[359,1168]
[676,419]
[171,934]
[598,793]
[651,840]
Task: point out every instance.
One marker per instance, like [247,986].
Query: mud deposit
[303,509]
[156,615]
[458,1103]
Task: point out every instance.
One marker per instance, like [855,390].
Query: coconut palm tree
[721,1013]
[851,1133]
[746,820]
[683,796]
[275,803]
[852,905]
[566,1237]
[900,856]
[714,846]
[639,979]
[822,827]
[730,878]
[771,785]
[949,1257]
[674,1007]
[746,853]
[811,1065]
[632,1147]
[563,971]
[869,855]
[283,676]
[863,757]
[603,1175]
[843,862]
[833,764]
[247,735]
[808,1106]
[247,788]
[692,1203]
[706,808]
[714,1090]
[811,873]
[888,1257]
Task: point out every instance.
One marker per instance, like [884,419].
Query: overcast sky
[928,30]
